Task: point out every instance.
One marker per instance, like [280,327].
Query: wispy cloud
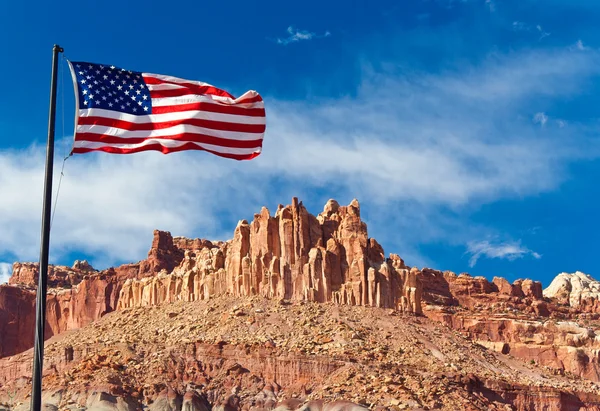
[295,35]
[5,272]
[540,118]
[522,26]
[510,250]
[543,33]
[421,142]
[580,46]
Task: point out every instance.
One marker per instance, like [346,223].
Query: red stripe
[180,92]
[213,108]
[192,137]
[214,125]
[164,150]
[194,88]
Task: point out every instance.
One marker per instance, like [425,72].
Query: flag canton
[111,88]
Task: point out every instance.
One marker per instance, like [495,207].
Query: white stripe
[176,79]
[166,132]
[168,143]
[180,115]
[229,100]
[196,98]
[154,87]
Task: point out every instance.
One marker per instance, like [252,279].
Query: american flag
[123,111]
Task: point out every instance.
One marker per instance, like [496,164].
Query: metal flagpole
[40,314]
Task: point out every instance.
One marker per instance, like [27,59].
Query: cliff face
[292,255]
[76,296]
[517,319]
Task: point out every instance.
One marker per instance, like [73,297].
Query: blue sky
[467,129]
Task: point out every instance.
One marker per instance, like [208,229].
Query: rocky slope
[256,353]
[521,338]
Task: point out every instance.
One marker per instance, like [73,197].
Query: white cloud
[295,35]
[422,143]
[510,250]
[520,26]
[542,32]
[5,272]
[579,45]
[540,118]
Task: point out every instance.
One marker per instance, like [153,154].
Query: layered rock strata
[292,255]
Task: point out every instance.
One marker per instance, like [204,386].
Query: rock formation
[292,255]
[577,290]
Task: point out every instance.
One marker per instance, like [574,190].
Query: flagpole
[40,314]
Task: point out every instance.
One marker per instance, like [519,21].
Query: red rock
[293,255]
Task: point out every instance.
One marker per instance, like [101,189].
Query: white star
[122,107]
[78,65]
[101,67]
[103,88]
[110,104]
[145,96]
[124,81]
[88,77]
[128,76]
[104,98]
[91,96]
[128,103]
[97,101]
[134,81]
[90,85]
[97,71]
[119,87]
[112,67]
[81,73]
[117,100]
[141,86]
[139,103]
[84,92]
[145,108]
[126,92]
[90,66]
[105,77]
[95,82]
[83,81]
[109,94]
[130,87]
[138,92]
[117,76]
[85,102]
[133,98]
[134,109]
[112,82]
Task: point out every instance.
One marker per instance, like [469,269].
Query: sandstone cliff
[292,255]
